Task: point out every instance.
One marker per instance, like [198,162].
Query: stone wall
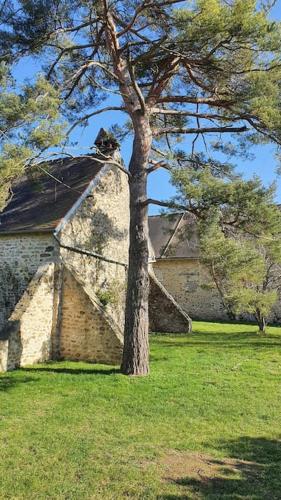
[187,281]
[165,315]
[20,258]
[100,224]
[27,337]
[85,332]
[190,284]
[82,316]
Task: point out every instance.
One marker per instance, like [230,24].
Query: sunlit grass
[76,430]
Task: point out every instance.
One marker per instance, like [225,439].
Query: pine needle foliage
[29,123]
[240,235]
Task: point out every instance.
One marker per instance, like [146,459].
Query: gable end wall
[101,225]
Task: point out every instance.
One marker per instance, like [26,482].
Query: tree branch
[135,85]
[259,129]
[166,204]
[103,158]
[156,165]
[138,10]
[160,83]
[197,100]
[97,112]
[207,116]
[202,130]
[89,64]
[196,80]
[79,74]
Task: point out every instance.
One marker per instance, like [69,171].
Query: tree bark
[224,302]
[136,346]
[261,322]
[135,359]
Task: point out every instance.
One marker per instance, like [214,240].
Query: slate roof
[174,236]
[39,201]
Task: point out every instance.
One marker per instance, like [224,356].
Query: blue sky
[264,164]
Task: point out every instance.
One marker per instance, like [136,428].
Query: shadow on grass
[7,382]
[224,340]
[253,472]
[72,371]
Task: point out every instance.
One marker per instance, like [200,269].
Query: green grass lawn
[205,424]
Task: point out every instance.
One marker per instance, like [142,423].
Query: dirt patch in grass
[181,467]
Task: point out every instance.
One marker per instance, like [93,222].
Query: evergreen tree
[239,228]
[210,188]
[177,68]
[29,122]
[246,273]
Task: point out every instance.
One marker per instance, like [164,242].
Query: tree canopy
[29,123]
[246,272]
[203,68]
[239,227]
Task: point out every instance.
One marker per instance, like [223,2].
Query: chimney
[106,142]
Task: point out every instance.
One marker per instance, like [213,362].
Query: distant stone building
[63,265]
[176,264]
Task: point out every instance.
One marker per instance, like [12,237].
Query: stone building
[176,264]
[63,265]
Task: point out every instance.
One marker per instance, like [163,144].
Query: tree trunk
[261,322]
[136,347]
[220,290]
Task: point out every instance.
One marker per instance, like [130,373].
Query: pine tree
[29,122]
[239,227]
[246,272]
[178,69]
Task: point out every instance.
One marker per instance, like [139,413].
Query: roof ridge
[167,215]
